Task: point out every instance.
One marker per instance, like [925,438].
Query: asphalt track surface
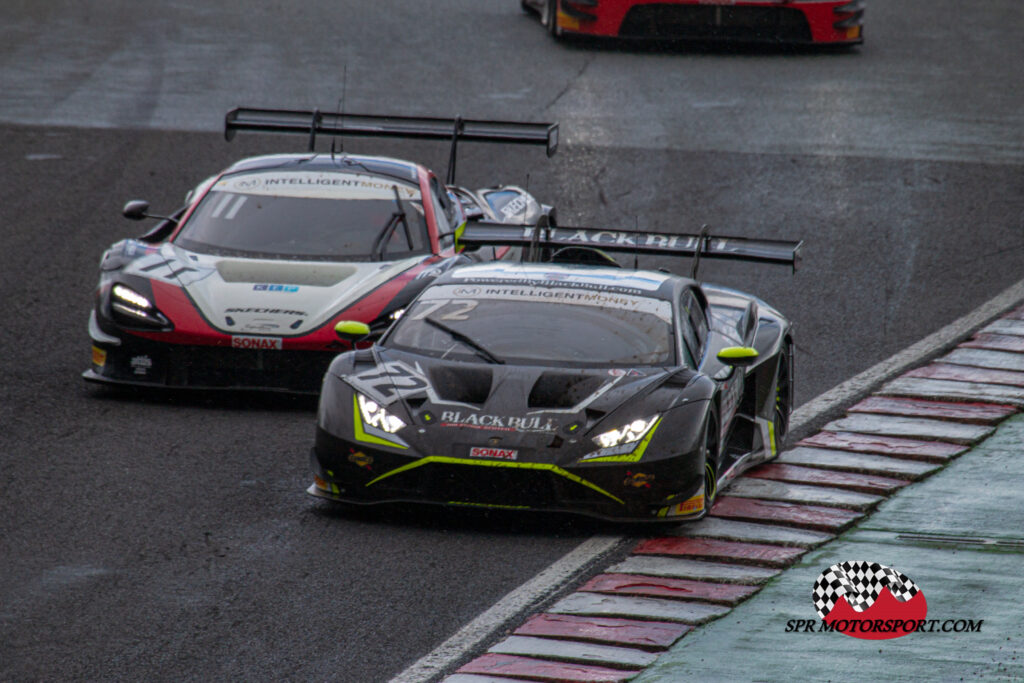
[170,537]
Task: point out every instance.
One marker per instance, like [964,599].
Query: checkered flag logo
[860,583]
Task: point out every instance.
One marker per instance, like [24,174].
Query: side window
[699,319]
[694,325]
[444,208]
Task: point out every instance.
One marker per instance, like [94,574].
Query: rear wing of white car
[315,122]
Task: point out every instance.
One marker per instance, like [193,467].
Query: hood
[263,296]
[504,406]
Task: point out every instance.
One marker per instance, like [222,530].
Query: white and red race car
[241,288]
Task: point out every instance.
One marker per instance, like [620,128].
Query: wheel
[710,449]
[783,396]
[550,18]
[527,7]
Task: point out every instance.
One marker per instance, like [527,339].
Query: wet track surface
[170,536]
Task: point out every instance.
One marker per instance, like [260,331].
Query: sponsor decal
[456,418]
[99,356]
[553,294]
[360,459]
[248,182]
[598,238]
[638,480]
[141,364]
[260,326]
[275,288]
[133,248]
[313,185]
[597,280]
[266,311]
[516,206]
[605,452]
[498,453]
[262,343]
[621,372]
[690,506]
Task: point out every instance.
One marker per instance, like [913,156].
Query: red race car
[836,22]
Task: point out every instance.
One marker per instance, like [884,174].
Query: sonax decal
[262,343]
[499,453]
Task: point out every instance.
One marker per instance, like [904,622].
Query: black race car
[563,384]
[241,288]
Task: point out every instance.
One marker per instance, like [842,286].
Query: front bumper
[134,361]
[633,492]
[838,22]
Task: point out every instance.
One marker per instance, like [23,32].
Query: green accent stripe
[360,435]
[487,505]
[634,455]
[555,469]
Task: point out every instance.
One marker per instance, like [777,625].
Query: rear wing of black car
[535,239]
[315,122]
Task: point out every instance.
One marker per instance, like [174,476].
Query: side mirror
[461,248]
[738,356]
[136,209]
[352,330]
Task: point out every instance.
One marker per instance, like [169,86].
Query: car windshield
[537,325]
[308,215]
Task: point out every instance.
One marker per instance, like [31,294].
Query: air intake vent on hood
[465,385]
[284,273]
[562,389]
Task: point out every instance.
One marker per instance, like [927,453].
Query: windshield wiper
[381,241]
[468,341]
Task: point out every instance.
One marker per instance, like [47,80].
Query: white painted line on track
[481,629]
[549,581]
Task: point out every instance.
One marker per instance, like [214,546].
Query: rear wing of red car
[537,238]
[315,122]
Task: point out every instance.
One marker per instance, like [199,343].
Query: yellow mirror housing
[738,356]
[352,330]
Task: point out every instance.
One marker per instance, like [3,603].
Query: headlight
[130,297]
[631,433]
[374,415]
[135,307]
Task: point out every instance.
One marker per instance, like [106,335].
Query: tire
[783,396]
[550,18]
[710,449]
